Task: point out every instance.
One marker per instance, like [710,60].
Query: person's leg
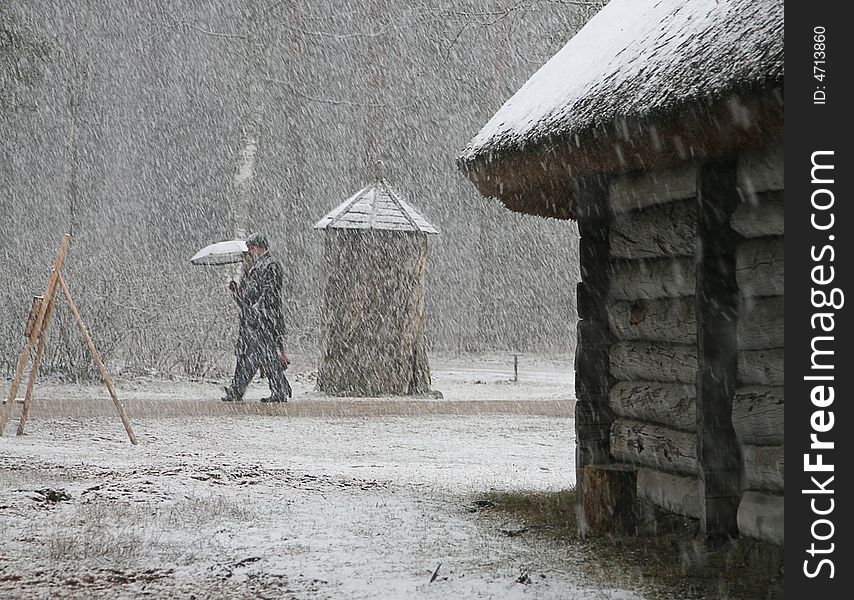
[279,386]
[280,389]
[248,362]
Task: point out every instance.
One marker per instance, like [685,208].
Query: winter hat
[258,240]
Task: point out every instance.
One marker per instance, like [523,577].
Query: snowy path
[255,506]
[319,498]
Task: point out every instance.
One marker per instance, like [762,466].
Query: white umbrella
[221,253]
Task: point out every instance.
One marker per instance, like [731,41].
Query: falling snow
[155,130]
[149,131]
[640,59]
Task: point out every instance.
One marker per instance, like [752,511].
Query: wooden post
[35,309]
[97,358]
[609,496]
[37,361]
[718,451]
[6,413]
[593,416]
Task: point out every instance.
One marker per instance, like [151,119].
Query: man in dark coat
[260,341]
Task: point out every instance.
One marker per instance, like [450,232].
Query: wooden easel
[36,332]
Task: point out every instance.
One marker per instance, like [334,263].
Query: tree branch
[336,102]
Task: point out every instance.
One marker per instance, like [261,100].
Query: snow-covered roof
[637,57]
[636,60]
[376,206]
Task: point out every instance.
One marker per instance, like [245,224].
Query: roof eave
[541,178]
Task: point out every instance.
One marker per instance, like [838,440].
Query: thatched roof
[376,206]
[645,84]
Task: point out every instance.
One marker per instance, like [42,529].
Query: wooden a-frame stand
[37,333]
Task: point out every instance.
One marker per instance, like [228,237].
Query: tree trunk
[593,414]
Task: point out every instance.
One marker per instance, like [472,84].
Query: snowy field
[317,498]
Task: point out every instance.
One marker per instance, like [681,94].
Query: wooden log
[35,311]
[661,448]
[660,231]
[97,359]
[760,516]
[35,331]
[609,496]
[674,493]
[593,415]
[656,278]
[760,323]
[763,468]
[757,415]
[660,320]
[759,267]
[34,369]
[761,170]
[631,191]
[593,379]
[717,344]
[759,215]
[760,367]
[669,404]
[654,361]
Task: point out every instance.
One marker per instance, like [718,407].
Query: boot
[274,399]
[230,397]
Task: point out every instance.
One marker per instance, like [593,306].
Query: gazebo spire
[377,206]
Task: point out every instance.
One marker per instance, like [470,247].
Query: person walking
[260,341]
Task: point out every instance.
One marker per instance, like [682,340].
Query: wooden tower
[374,315]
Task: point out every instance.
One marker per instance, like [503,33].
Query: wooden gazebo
[372,342]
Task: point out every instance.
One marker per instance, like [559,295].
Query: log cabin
[658,127]
[372,339]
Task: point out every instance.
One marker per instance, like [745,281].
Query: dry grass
[553,511]
[132,533]
[666,566]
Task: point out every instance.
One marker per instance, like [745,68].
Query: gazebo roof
[376,206]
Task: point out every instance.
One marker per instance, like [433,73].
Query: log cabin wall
[593,416]
[758,405]
[653,346]
[651,315]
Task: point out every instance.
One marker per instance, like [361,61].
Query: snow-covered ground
[318,498]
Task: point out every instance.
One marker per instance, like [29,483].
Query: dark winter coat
[259,297]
